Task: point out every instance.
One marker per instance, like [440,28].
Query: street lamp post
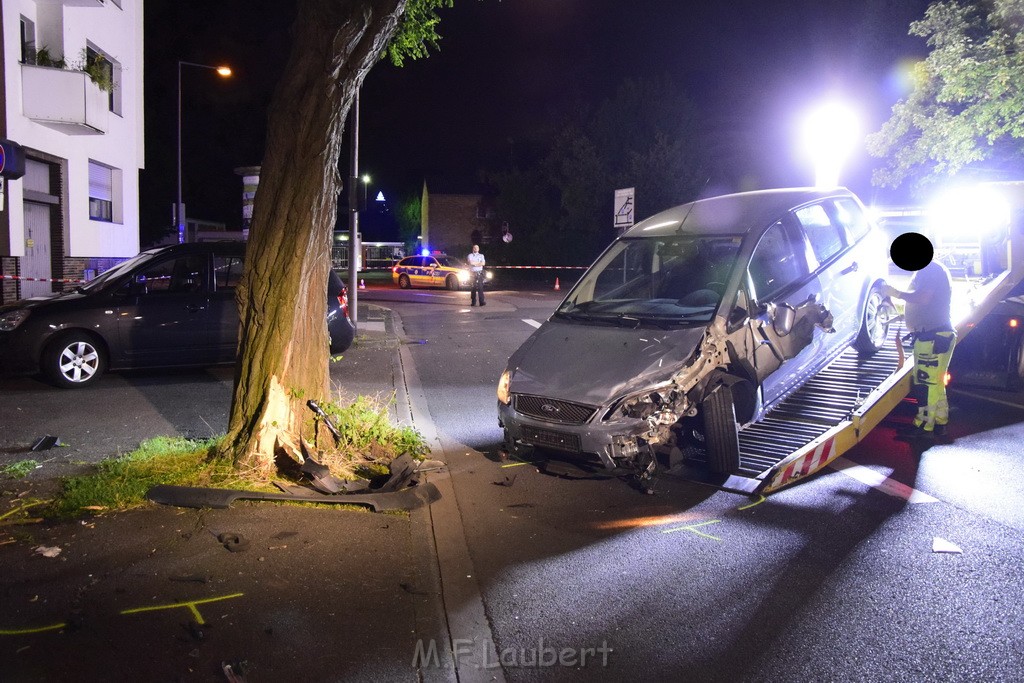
[366,181]
[179,207]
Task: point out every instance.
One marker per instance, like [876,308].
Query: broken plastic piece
[941,545]
[45,443]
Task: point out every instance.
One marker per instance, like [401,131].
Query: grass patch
[18,470]
[369,443]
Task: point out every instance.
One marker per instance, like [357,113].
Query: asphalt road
[836,578]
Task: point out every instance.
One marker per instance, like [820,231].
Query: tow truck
[838,407]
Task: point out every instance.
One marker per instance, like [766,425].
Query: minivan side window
[849,214]
[826,239]
[774,264]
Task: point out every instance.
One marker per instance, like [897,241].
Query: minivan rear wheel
[874,326]
[74,360]
[721,437]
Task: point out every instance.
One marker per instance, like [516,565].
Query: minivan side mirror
[783,318]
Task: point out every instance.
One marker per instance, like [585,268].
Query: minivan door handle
[852,268]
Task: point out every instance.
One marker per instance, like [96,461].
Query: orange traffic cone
[556,285]
[362,284]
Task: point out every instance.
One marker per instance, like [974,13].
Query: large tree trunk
[283,344]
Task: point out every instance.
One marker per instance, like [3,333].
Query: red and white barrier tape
[41,279]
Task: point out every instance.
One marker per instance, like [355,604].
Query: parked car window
[849,214]
[774,264]
[826,239]
[227,271]
[174,276]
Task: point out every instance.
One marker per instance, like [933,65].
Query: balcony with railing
[64,100]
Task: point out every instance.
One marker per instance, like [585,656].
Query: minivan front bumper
[614,443]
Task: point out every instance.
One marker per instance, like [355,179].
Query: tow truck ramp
[839,406]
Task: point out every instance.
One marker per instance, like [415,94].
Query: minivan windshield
[662,281]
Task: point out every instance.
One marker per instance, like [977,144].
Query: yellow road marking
[191,604]
[693,528]
[760,499]
[25,631]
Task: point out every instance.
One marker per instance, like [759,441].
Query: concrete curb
[444,547]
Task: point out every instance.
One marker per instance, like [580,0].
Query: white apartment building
[72,97]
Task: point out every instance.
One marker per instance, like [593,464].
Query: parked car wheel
[452,282]
[874,327]
[403,281]
[721,437]
[74,360]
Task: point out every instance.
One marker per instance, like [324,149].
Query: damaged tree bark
[283,341]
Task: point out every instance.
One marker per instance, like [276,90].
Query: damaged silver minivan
[696,322]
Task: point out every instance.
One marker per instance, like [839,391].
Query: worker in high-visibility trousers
[928,319]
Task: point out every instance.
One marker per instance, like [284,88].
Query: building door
[36,262]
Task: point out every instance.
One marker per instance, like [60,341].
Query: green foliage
[410,211]
[417,30]
[121,483]
[967,103]
[97,66]
[365,426]
[558,198]
[18,470]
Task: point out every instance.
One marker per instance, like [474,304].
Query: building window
[110,73]
[104,193]
[28,41]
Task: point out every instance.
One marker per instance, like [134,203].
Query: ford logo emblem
[548,408]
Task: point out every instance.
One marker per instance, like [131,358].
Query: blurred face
[476,249]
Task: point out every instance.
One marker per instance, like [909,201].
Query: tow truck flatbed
[838,407]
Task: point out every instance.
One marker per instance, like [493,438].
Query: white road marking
[986,398]
[881,482]
[531,322]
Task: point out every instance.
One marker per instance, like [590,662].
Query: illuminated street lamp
[830,133]
[179,208]
[366,181]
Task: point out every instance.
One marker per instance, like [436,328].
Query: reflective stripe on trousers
[932,352]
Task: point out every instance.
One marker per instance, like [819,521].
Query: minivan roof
[731,214]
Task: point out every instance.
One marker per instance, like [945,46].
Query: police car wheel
[403,281]
[451,282]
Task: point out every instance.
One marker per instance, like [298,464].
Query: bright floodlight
[969,212]
[830,133]
[224,70]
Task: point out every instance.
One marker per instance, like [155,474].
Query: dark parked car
[165,307]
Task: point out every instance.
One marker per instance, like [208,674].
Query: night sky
[752,68]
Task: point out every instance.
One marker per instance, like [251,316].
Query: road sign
[623,214]
[12,159]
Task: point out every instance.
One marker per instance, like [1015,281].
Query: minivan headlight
[10,320]
[503,394]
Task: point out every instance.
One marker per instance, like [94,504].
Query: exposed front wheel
[403,281]
[721,436]
[75,360]
[874,328]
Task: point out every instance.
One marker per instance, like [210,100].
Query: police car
[437,270]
